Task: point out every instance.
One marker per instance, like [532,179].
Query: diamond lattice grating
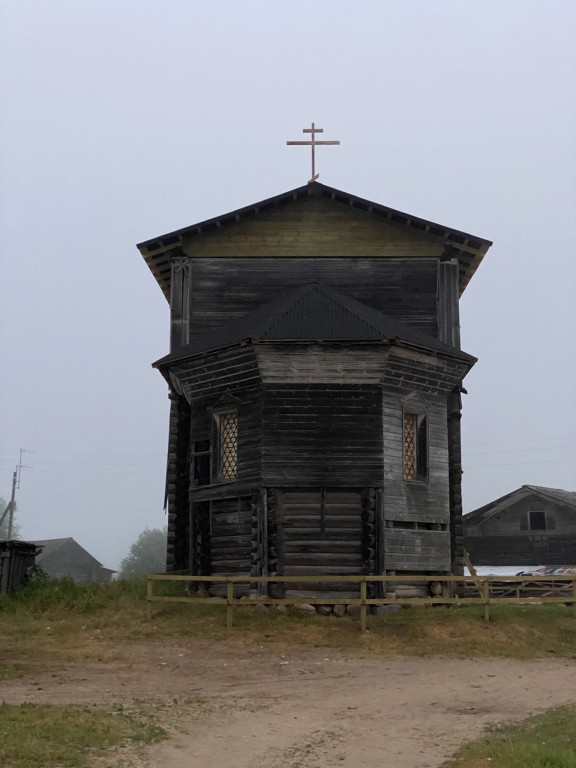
[229,445]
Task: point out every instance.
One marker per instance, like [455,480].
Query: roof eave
[175,358]
[469,249]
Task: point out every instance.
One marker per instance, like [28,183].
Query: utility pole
[12,503]
[9,511]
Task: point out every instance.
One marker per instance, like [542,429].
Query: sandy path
[311,710]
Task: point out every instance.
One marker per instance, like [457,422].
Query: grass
[33,735]
[50,623]
[543,741]
[54,621]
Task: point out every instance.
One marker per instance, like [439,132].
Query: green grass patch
[33,735]
[522,632]
[51,622]
[543,741]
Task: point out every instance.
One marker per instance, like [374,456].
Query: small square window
[537,521]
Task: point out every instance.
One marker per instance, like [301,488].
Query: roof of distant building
[567,498]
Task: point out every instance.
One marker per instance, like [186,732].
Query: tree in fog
[146,555]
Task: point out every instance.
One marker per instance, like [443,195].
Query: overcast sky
[124,119]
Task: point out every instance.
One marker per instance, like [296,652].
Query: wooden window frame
[415,409]
[544,517]
[219,473]
[199,453]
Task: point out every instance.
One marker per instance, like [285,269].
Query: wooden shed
[17,562]
[315,377]
[530,526]
[65,557]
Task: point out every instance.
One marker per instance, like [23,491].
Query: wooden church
[315,378]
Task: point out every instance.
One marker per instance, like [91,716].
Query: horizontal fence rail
[457,590]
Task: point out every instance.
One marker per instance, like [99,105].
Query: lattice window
[228,445]
[410,425]
[415,445]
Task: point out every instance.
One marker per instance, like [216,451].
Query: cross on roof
[312,143]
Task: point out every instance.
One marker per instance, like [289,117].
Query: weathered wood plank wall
[225,289]
[177,484]
[314,227]
[321,534]
[525,550]
[425,504]
[328,434]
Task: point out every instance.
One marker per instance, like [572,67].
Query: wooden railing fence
[464,590]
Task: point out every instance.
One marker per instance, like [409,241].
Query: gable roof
[50,546]
[468,249]
[557,495]
[312,312]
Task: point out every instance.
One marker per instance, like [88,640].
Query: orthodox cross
[312,143]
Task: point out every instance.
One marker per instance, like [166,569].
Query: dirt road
[256,708]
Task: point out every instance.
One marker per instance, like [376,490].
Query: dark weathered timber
[225,289]
[318,318]
[448,309]
[529,527]
[524,551]
[316,221]
[177,483]
[327,434]
[455,480]
[322,534]
[181,288]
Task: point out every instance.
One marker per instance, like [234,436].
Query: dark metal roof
[468,249]
[312,313]
[556,494]
[568,498]
[49,546]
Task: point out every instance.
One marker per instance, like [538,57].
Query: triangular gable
[312,312]
[53,546]
[450,243]
[556,495]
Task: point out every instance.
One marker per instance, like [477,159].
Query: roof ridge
[336,297]
[333,296]
[289,299]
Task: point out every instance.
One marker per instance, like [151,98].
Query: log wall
[327,434]
[224,289]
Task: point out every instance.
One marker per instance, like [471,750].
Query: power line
[521,463]
[522,450]
[524,440]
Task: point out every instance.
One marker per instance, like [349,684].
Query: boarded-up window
[415,437]
[227,438]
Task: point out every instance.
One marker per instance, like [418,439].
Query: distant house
[65,557]
[530,526]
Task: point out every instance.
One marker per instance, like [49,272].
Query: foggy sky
[124,119]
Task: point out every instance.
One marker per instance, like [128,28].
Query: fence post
[363,605]
[229,606]
[487,600]
[149,593]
